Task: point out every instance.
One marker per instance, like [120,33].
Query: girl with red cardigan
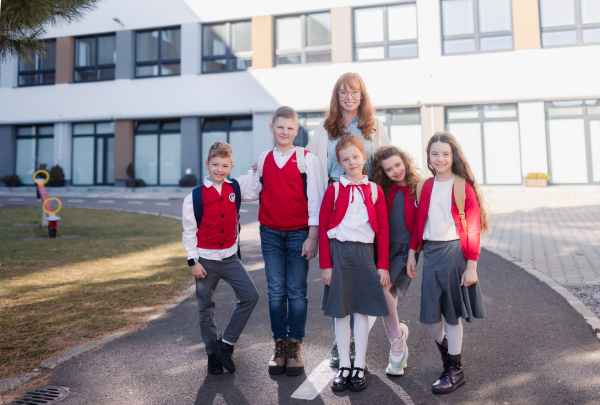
[395,172]
[348,226]
[449,290]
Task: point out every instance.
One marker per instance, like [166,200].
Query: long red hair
[366,114]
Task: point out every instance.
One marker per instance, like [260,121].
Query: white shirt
[189,239]
[440,224]
[355,227]
[315,188]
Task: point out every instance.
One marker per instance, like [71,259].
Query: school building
[154,83]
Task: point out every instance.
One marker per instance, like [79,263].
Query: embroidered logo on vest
[232,197]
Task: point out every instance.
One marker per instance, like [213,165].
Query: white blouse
[355,227]
[440,224]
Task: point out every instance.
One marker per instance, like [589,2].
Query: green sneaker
[334,362]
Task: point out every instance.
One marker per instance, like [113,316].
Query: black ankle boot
[443,348]
[452,377]
[214,365]
[224,353]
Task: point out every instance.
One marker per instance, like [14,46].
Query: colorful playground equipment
[47,208]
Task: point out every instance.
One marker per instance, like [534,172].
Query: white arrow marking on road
[74,201]
[135,202]
[106,201]
[163,203]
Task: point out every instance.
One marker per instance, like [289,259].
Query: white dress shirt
[189,239]
[355,227]
[315,188]
[440,224]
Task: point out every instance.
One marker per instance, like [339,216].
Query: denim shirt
[334,170]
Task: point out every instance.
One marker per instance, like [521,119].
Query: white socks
[361,338]
[453,332]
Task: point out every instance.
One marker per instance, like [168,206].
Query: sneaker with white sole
[398,353]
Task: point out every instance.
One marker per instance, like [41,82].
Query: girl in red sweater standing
[395,172]
[353,214]
[449,290]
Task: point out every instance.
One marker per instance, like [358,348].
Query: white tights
[453,332]
[361,338]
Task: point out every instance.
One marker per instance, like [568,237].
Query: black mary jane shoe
[214,365]
[358,383]
[340,383]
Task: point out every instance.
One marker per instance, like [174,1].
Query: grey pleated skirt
[398,271]
[355,285]
[441,292]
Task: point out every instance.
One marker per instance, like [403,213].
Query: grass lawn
[59,293]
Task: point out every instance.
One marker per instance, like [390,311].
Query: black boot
[452,377]
[223,351]
[443,348]
[214,365]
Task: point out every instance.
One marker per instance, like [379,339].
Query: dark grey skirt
[398,271]
[355,285]
[441,292]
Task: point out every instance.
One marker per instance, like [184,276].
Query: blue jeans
[286,271]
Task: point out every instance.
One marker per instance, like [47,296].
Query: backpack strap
[419,189]
[459,198]
[198,208]
[301,161]
[238,204]
[336,188]
[261,164]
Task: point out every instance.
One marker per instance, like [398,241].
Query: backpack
[299,160]
[199,208]
[374,191]
[459,197]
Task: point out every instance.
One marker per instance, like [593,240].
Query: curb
[579,306]
[11,383]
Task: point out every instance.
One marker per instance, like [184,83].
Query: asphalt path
[533,348]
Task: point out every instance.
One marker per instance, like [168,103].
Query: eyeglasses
[353,93]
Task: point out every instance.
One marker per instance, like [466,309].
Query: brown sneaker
[278,360]
[295,363]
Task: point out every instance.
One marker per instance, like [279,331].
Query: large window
[95,58]
[570,22]
[158,53]
[489,138]
[35,147]
[387,32]
[476,26]
[404,129]
[308,123]
[236,131]
[573,131]
[227,46]
[39,70]
[303,39]
[157,152]
[94,153]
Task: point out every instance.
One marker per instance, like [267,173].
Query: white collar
[287,152]
[208,182]
[344,180]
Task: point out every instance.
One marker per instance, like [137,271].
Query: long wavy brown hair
[460,167]
[347,141]
[366,121]
[412,173]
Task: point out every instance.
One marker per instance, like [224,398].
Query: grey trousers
[233,272]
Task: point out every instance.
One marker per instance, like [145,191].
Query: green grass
[59,293]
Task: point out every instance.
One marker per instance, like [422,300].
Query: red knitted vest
[219,218]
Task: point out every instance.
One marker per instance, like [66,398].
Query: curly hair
[412,176]
[460,167]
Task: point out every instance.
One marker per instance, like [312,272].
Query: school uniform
[346,237]
[446,249]
[214,244]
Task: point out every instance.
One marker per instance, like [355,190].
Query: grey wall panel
[62,148]
[7,151]
[190,49]
[263,139]
[125,54]
[190,146]
[341,35]
[9,73]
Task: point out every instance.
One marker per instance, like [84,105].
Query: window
[489,138]
[94,153]
[573,136]
[227,47]
[308,123]
[39,70]
[303,39]
[95,58]
[570,22]
[35,147]
[476,26]
[236,131]
[404,129]
[158,53]
[157,152]
[388,32]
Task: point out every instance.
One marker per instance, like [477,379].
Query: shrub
[189,180]
[12,180]
[135,183]
[540,176]
[57,177]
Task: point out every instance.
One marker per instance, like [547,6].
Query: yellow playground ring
[35,178]
[53,212]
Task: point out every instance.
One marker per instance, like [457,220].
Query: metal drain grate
[44,396]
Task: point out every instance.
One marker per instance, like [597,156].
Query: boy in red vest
[210,223]
[290,201]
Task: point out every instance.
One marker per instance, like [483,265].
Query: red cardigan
[330,217]
[410,209]
[470,238]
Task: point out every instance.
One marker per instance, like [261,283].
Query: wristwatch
[191,262]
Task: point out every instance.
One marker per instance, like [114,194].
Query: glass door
[93,154]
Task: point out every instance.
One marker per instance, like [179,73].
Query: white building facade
[154,83]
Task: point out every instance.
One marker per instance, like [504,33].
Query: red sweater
[410,209]
[330,217]
[219,218]
[470,238]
